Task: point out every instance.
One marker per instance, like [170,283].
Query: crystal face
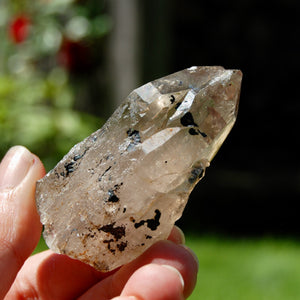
[121,189]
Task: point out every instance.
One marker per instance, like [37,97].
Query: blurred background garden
[65,65]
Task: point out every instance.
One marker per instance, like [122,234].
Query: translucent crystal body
[122,188]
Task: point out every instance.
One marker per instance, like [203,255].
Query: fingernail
[177,272]
[125,298]
[14,166]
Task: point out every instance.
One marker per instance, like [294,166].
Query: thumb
[20,227]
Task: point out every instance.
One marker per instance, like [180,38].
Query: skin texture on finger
[70,277]
[177,236]
[155,282]
[48,275]
[162,253]
[20,226]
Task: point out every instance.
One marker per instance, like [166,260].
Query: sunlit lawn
[261,269]
[255,269]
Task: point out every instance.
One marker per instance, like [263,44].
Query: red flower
[19,29]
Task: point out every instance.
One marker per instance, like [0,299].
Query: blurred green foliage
[46,49]
[37,113]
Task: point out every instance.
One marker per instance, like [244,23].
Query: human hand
[165,271]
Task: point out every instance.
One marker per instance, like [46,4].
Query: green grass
[250,269]
[258,269]
[40,247]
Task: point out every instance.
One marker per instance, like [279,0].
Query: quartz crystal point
[122,188]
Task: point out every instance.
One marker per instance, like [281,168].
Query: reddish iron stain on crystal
[121,189]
